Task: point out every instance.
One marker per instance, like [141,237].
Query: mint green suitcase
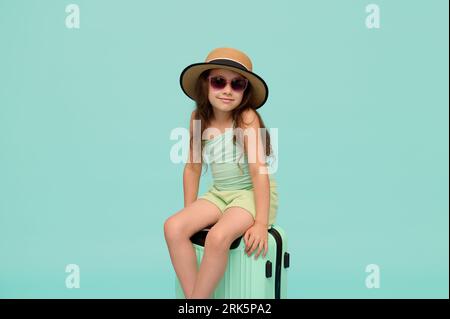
[245,277]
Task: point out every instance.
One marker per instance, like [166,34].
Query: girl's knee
[173,228]
[217,239]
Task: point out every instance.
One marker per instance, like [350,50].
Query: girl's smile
[225,100]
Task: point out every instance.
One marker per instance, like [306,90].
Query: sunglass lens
[218,82]
[238,84]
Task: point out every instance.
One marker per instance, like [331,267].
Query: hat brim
[191,73]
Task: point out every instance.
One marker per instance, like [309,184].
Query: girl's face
[225,99]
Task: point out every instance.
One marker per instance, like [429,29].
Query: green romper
[233,185]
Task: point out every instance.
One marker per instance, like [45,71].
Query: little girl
[243,198]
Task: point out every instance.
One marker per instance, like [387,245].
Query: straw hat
[230,59]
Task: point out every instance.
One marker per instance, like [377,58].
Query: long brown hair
[204,111]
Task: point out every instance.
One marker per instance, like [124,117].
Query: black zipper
[276,235]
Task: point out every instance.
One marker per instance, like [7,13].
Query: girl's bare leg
[230,226]
[178,229]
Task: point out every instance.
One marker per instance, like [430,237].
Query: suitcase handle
[286,260]
[268,269]
[199,239]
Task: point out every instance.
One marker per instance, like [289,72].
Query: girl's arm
[191,177]
[191,173]
[256,165]
[256,236]
[261,187]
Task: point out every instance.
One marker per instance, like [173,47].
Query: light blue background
[86,115]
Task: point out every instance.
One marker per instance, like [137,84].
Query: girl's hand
[256,237]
